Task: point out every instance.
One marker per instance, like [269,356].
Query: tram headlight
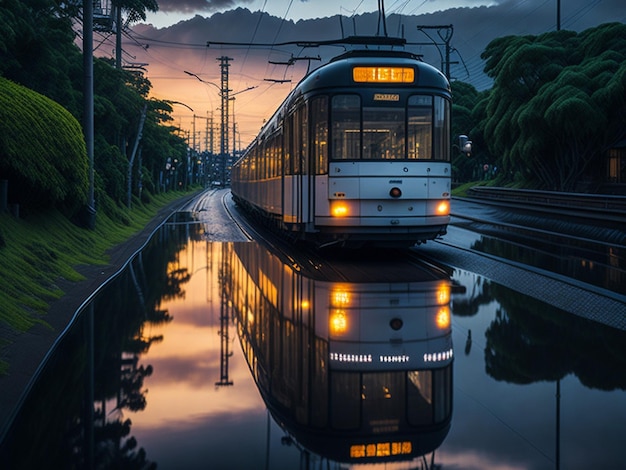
[339,209]
[443,294]
[443,208]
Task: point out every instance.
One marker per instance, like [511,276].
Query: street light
[465,145]
[182,104]
[232,98]
[203,81]
[189,152]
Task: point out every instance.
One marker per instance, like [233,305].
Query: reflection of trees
[530,341]
[468,306]
[600,267]
[134,303]
[53,428]
[125,456]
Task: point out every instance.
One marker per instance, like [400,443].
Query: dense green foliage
[467,119]
[38,51]
[43,153]
[557,104]
[42,149]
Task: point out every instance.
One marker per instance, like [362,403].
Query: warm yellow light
[338,322]
[381,449]
[443,294]
[443,318]
[383,74]
[443,208]
[305,304]
[340,298]
[339,209]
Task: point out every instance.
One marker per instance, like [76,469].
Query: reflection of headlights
[438,356]
[443,208]
[338,322]
[340,298]
[443,318]
[339,209]
[443,294]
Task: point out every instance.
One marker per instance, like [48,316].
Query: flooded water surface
[227,355]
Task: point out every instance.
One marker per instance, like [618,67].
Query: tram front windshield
[416,129]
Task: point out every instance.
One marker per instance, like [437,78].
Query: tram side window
[319,384]
[442,129]
[383,133]
[420,399]
[345,392]
[288,160]
[275,156]
[346,127]
[319,126]
[420,127]
[300,141]
[304,140]
[442,394]
[263,162]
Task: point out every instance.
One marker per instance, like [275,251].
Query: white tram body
[357,153]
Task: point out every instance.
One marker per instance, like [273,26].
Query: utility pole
[446,38]
[224,65]
[88,120]
[118,37]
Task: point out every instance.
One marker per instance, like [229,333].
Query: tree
[42,151]
[467,116]
[37,50]
[558,102]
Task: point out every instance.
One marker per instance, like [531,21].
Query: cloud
[193,6]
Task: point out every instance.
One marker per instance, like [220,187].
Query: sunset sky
[182,37]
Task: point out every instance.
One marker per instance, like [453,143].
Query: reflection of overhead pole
[225,353]
[558,424]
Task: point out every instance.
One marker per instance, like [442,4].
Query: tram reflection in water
[352,372]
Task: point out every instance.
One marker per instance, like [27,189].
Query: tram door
[296,186]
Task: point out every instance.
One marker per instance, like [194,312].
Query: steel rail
[600,206]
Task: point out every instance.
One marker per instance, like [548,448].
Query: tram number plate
[386,97]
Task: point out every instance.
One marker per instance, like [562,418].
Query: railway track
[581,249]
[603,207]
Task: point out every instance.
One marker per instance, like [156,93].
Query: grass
[38,251]
[461,190]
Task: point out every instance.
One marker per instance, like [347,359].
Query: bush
[42,151]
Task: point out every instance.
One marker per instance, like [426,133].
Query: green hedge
[42,150]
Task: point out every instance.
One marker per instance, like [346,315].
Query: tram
[353,372]
[358,153]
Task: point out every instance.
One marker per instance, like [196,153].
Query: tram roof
[338,71]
